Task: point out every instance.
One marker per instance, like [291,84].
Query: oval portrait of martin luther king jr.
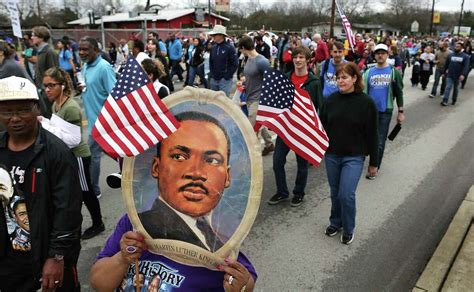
[196,194]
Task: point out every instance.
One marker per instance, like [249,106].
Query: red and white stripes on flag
[290,113]
[133,117]
[347,27]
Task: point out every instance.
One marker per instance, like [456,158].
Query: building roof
[163,15]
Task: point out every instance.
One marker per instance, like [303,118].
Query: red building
[163,19]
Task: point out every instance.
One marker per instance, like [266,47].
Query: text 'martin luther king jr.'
[192,169]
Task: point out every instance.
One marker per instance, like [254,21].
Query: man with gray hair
[322,53]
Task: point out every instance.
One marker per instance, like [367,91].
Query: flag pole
[343,25]
[137,277]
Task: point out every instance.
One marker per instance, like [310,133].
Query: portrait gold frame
[188,253]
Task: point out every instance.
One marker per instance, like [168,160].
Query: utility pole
[460,18]
[432,15]
[333,18]
[209,16]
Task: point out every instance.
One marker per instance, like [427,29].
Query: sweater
[457,64]
[350,121]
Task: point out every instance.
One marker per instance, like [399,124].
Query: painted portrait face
[6,185]
[193,168]
[21,216]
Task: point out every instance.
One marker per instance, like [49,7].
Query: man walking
[175,51]
[440,60]
[223,61]
[254,69]
[321,54]
[456,69]
[99,80]
[40,217]
[384,83]
[262,48]
[304,79]
[329,68]
[46,58]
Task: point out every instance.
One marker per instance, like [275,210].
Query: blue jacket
[175,50]
[223,61]
[457,64]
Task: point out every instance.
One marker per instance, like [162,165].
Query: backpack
[323,72]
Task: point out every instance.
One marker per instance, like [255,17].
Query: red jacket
[322,52]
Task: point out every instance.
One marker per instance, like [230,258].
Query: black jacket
[197,58]
[162,222]
[53,200]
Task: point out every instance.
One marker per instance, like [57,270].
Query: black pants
[88,196]
[24,282]
[424,78]
[176,69]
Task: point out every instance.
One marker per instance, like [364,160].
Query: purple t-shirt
[172,276]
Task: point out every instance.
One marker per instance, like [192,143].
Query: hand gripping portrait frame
[239,203]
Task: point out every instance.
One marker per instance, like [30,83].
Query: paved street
[401,217]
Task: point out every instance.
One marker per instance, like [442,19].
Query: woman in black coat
[197,63]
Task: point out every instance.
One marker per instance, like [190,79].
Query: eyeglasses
[23,113]
[51,85]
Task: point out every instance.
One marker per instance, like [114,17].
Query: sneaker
[99,195]
[268,149]
[347,238]
[331,231]
[277,198]
[93,231]
[431,96]
[444,103]
[454,102]
[114,180]
[370,177]
[296,201]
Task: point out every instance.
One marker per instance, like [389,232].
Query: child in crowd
[240,97]
[415,74]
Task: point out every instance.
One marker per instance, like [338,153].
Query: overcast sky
[440,5]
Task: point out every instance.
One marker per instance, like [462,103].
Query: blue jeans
[279,161]
[454,84]
[343,176]
[222,84]
[438,73]
[96,154]
[199,70]
[384,125]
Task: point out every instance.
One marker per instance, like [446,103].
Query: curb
[450,267]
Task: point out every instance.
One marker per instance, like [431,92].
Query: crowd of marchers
[48,168]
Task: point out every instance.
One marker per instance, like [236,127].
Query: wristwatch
[401,111]
[58,257]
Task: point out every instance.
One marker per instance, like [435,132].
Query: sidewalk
[451,268]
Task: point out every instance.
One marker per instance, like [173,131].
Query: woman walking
[58,89]
[349,117]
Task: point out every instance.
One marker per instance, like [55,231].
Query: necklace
[60,103]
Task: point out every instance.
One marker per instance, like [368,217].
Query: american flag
[347,27]
[133,117]
[289,112]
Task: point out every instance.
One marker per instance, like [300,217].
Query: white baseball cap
[17,88]
[381,47]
